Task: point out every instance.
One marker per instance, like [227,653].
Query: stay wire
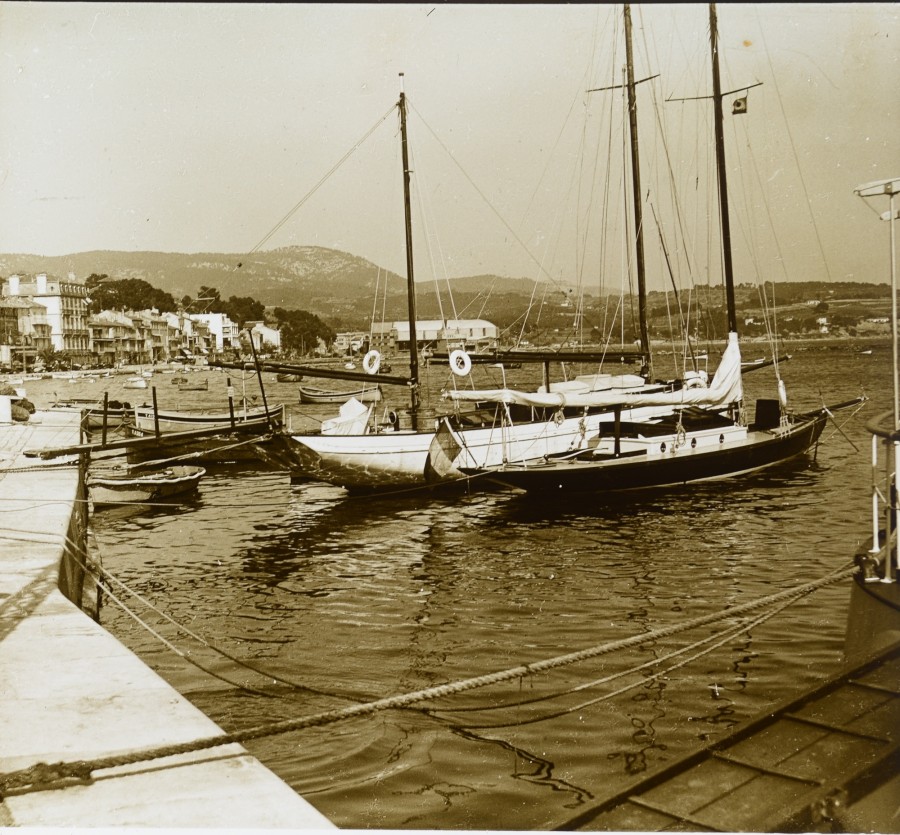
[322,181]
[490,205]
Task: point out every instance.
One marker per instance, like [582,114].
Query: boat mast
[720,170]
[636,190]
[410,280]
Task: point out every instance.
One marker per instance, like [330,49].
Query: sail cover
[724,389]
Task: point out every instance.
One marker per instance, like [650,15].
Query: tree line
[300,330]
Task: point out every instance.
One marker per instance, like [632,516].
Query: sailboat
[398,456]
[825,760]
[702,437]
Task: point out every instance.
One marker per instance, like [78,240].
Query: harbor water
[360,598]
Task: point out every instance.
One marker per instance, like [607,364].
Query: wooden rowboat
[182,421]
[371,394]
[120,485]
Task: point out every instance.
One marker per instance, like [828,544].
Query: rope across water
[42,775]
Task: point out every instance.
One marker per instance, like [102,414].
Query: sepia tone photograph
[449,416]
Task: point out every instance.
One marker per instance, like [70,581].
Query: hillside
[340,288]
[332,284]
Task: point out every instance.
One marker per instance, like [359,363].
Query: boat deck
[809,766]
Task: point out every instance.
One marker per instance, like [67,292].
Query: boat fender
[372,362]
[782,394]
[460,363]
[695,379]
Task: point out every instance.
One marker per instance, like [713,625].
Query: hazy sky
[197,127]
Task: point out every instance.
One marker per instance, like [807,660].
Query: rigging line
[322,181]
[684,330]
[105,575]
[722,640]
[812,214]
[429,234]
[189,455]
[487,202]
[28,780]
[578,94]
[375,301]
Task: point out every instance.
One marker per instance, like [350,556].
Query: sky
[199,127]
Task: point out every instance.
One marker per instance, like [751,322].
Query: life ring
[372,362]
[460,363]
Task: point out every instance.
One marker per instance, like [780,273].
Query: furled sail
[724,389]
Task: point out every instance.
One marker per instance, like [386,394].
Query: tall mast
[410,280]
[720,169]
[636,190]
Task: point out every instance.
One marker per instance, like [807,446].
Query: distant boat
[177,421]
[135,383]
[867,352]
[118,485]
[198,385]
[288,378]
[363,395]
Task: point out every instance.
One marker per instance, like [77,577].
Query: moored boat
[704,436]
[193,385]
[827,760]
[146,420]
[122,485]
[366,394]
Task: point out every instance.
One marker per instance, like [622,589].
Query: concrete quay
[70,691]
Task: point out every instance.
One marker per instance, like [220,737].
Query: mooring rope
[42,775]
[731,634]
[744,626]
[175,649]
[107,577]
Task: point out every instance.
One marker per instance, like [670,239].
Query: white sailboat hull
[408,459]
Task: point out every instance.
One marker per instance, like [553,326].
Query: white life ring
[372,362]
[460,363]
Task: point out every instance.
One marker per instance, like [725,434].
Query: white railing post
[876,546]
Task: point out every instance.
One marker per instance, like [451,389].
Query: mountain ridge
[327,282]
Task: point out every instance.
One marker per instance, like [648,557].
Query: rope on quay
[41,776]
[37,468]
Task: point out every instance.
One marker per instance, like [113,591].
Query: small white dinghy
[121,485]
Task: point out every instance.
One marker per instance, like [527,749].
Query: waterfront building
[66,305]
[265,338]
[439,334]
[349,342]
[24,332]
[224,333]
